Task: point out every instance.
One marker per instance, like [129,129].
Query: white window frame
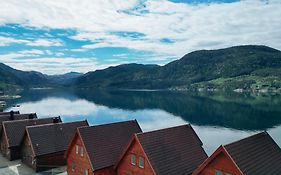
[86,172]
[141,158]
[81,151]
[73,166]
[218,171]
[76,149]
[133,159]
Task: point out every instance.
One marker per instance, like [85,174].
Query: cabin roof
[52,138]
[8,117]
[15,117]
[15,129]
[176,150]
[8,113]
[104,143]
[257,154]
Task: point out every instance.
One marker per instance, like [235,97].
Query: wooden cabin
[44,146]
[12,116]
[8,113]
[255,155]
[95,149]
[176,150]
[13,133]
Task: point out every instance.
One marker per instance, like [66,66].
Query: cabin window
[217,172]
[141,162]
[77,149]
[73,167]
[81,151]
[133,159]
[86,172]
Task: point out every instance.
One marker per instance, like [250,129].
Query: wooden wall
[125,167]
[3,143]
[222,163]
[81,162]
[40,163]
[27,156]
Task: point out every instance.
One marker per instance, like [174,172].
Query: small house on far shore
[12,116]
[176,150]
[254,155]
[95,149]
[13,133]
[44,146]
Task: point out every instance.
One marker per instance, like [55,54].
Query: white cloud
[78,50]
[45,42]
[191,27]
[50,65]
[6,41]
[31,52]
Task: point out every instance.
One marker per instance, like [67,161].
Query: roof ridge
[246,138]
[33,113]
[157,130]
[61,123]
[105,124]
[26,113]
[24,120]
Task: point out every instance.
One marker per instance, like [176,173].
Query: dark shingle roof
[8,113]
[15,117]
[177,150]
[105,143]
[15,129]
[52,138]
[258,154]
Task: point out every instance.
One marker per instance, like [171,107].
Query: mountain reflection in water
[217,118]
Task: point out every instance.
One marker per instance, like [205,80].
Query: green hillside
[240,67]
[12,79]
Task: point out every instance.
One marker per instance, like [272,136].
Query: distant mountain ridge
[238,67]
[64,79]
[11,79]
[122,76]
[249,67]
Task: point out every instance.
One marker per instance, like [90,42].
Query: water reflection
[218,119]
[231,110]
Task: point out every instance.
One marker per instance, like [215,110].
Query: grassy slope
[231,68]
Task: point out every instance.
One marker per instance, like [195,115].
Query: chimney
[30,116]
[11,115]
[55,120]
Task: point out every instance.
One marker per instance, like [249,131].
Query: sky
[59,36]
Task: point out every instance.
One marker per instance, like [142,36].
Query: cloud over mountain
[155,31]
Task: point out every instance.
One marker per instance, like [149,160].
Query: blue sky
[56,37]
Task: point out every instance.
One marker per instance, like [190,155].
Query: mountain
[239,67]
[236,68]
[123,76]
[64,79]
[12,79]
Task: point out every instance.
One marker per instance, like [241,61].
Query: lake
[218,118]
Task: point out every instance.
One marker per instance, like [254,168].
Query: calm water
[217,118]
